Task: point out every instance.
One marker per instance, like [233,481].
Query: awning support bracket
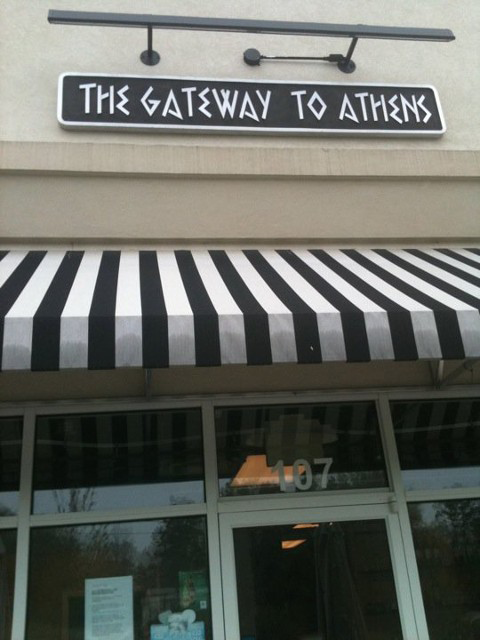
[467,365]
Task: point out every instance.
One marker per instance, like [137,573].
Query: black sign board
[234,106]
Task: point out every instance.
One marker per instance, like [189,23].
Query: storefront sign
[234,106]
[109,608]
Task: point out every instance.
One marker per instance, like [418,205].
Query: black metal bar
[350,51]
[347,65]
[89,18]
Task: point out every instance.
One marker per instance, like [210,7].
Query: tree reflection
[447,544]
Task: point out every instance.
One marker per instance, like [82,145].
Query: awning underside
[109,309]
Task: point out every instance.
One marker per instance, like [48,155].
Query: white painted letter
[226,105]
[150,105]
[298,95]
[316,98]
[350,114]
[86,88]
[247,108]
[393,114]
[265,102]
[362,97]
[428,114]
[103,96]
[205,103]
[171,106]
[189,91]
[124,100]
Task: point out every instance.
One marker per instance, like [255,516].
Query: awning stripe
[304,319]
[101,326]
[154,313]
[445,318]
[102,310]
[461,269]
[46,322]
[257,337]
[205,317]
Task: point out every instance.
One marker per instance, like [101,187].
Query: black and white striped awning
[108,309]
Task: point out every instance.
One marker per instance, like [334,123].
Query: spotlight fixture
[251,56]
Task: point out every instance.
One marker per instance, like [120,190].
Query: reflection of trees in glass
[74,500]
[447,543]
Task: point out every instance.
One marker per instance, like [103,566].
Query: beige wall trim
[229,161]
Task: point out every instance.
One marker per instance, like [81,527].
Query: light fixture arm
[345,63]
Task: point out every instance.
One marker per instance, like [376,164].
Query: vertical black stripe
[400,320]
[304,318]
[154,313]
[205,318]
[46,322]
[13,287]
[101,321]
[352,318]
[257,335]
[455,271]
[446,319]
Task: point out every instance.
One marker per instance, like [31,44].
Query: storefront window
[10,455]
[145,580]
[116,460]
[316,580]
[298,448]
[438,443]
[8,540]
[447,545]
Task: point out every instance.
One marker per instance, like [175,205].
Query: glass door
[315,574]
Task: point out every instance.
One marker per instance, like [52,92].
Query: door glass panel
[8,544]
[145,580]
[438,443]
[316,581]
[115,460]
[10,454]
[447,546]
[298,448]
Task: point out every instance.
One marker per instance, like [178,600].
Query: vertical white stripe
[74,320]
[8,265]
[230,318]
[181,328]
[128,312]
[18,328]
[280,320]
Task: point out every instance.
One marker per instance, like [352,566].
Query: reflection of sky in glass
[133,496]
[8,503]
[441,478]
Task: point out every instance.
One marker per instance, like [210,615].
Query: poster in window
[109,608]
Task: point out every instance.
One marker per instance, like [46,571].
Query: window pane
[321,580]
[298,448]
[114,460]
[438,443]
[447,545]
[10,456]
[160,566]
[8,541]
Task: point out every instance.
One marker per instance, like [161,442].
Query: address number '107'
[302,473]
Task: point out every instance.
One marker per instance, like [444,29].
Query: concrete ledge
[229,161]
